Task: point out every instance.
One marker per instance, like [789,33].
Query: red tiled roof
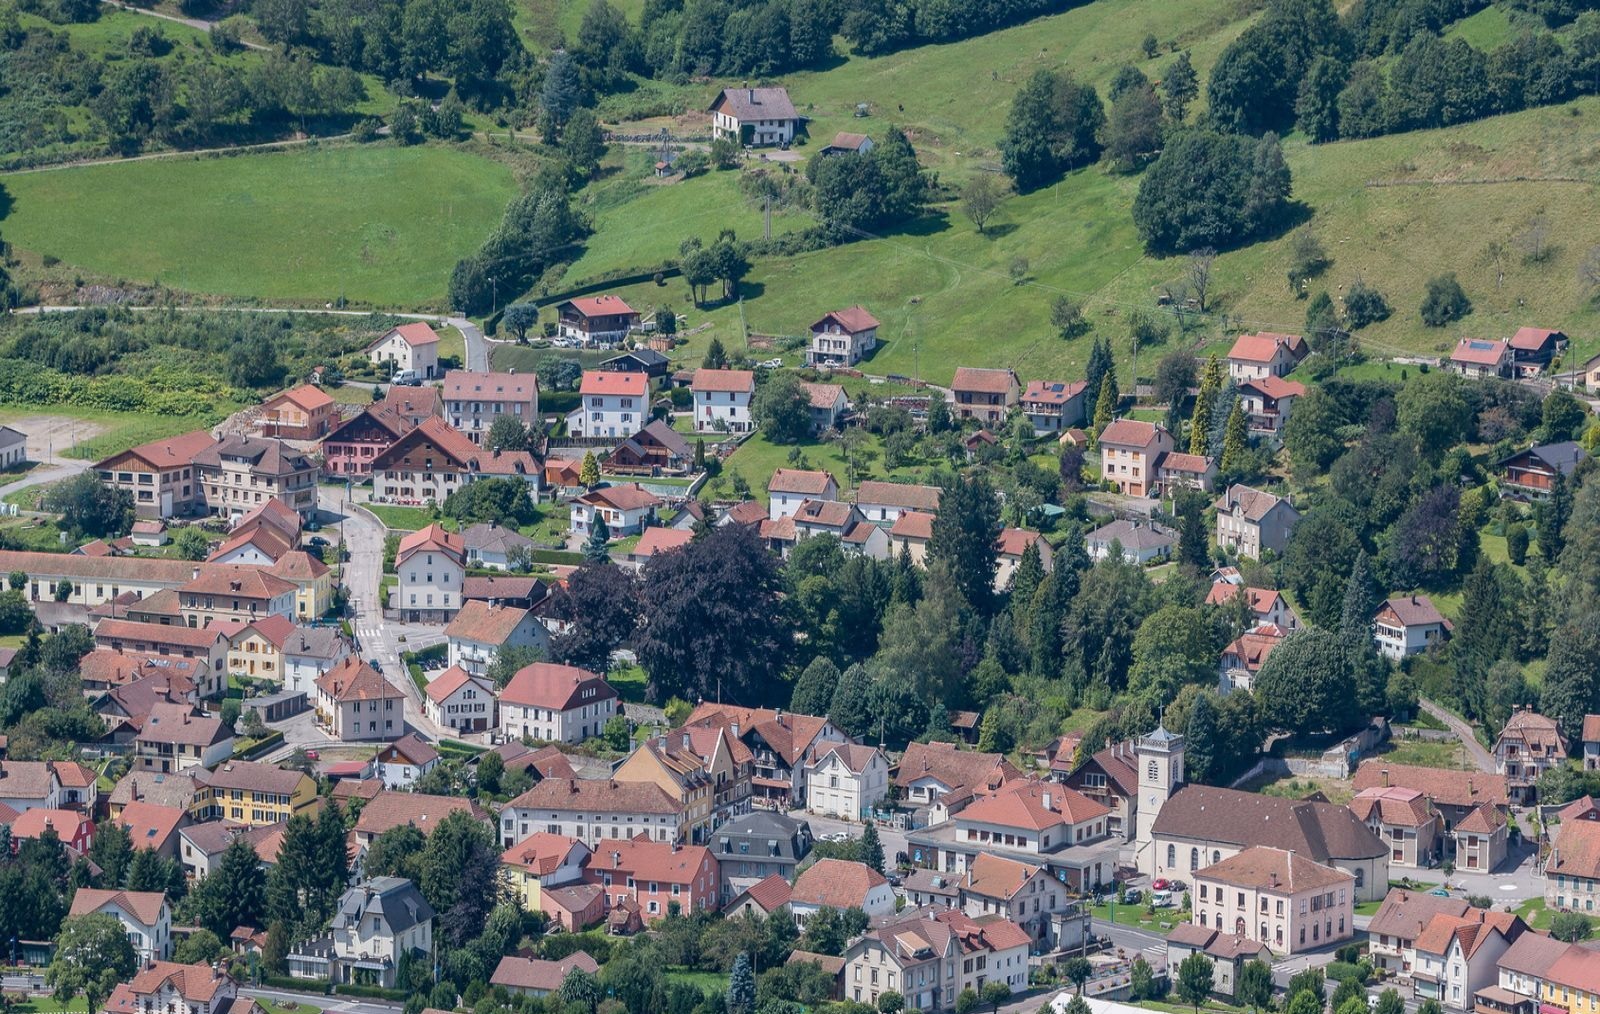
[182,635]
[447,683]
[424,812]
[1191,464]
[237,580]
[168,452]
[1453,788]
[796,480]
[486,624]
[1262,347]
[626,497]
[413,334]
[1015,541]
[1130,433]
[149,825]
[601,382]
[541,853]
[433,537]
[1577,969]
[1532,339]
[1275,387]
[899,494]
[1262,867]
[913,525]
[197,983]
[1035,806]
[651,860]
[660,540]
[540,975]
[1412,610]
[307,396]
[769,894]
[1393,805]
[1052,392]
[1591,728]
[735,381]
[600,306]
[1577,850]
[836,883]
[467,385]
[557,687]
[1479,352]
[144,906]
[853,319]
[275,629]
[983,381]
[352,679]
[823,396]
[597,794]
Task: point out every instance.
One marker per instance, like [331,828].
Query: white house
[460,701]
[790,487]
[722,400]
[847,781]
[431,565]
[144,914]
[493,546]
[480,630]
[610,404]
[1140,543]
[413,347]
[1265,354]
[377,922]
[625,509]
[556,703]
[564,806]
[840,884]
[402,762]
[882,503]
[842,337]
[310,652]
[1408,625]
[13,447]
[754,117]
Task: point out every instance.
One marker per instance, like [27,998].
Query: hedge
[319,986]
[555,556]
[256,748]
[374,992]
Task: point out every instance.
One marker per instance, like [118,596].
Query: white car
[836,836]
[772,364]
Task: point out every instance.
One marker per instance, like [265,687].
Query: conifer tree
[1210,387]
[1235,439]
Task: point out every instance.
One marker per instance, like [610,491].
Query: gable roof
[265,457]
[424,812]
[1412,610]
[1452,788]
[905,495]
[756,103]
[198,983]
[801,481]
[1130,433]
[769,894]
[1318,831]
[915,525]
[984,381]
[466,385]
[352,679]
[954,768]
[1131,535]
[996,876]
[655,540]
[144,906]
[410,748]
[824,397]
[1263,347]
[1393,805]
[733,381]
[1534,339]
[556,687]
[515,972]
[629,496]
[1255,504]
[1479,352]
[307,396]
[836,883]
[597,794]
[600,306]
[414,334]
[615,382]
[478,621]
[177,724]
[1577,850]
[1404,913]
[852,319]
[449,681]
[252,776]
[1053,392]
[1274,387]
[435,538]
[1533,954]
[542,853]
[168,452]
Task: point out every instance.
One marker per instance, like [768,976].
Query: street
[341,1004]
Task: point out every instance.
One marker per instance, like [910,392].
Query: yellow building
[1573,982]
[256,650]
[704,768]
[255,794]
[541,860]
[312,580]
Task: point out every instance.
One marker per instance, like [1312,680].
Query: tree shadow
[7,202]
[929,224]
[999,230]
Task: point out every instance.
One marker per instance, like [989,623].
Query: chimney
[195,574]
[512,371]
[1045,799]
[616,860]
[1386,778]
[734,728]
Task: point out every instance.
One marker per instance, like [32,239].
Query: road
[340,1004]
[199,24]
[477,344]
[1480,756]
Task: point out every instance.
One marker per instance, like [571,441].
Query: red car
[313,755]
[1160,884]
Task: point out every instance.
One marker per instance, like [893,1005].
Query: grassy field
[1426,754]
[1300,786]
[1134,915]
[1484,30]
[1535,914]
[378,224]
[106,433]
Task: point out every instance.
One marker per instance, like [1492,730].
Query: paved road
[477,344]
[341,1004]
[200,24]
[1480,756]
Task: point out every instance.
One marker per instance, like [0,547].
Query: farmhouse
[159,475]
[754,117]
[1477,357]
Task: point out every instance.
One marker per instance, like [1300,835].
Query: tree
[201,946]
[519,317]
[1202,761]
[1444,301]
[1181,85]
[1210,190]
[92,955]
[1076,970]
[1141,980]
[589,473]
[965,534]
[995,992]
[1100,364]
[1562,416]
[1317,106]
[1105,406]
[1053,126]
[1308,683]
[1571,685]
[1175,645]
[233,895]
[890,1002]
[871,848]
[981,198]
[1360,600]
[1254,988]
[1066,316]
[1194,980]
[967,1001]
[1364,305]
[741,986]
[561,94]
[112,851]
[1571,927]
[506,433]
[851,708]
[191,543]
[1389,1001]
[1235,440]
[1133,132]
[581,989]
[88,508]
[601,602]
[716,357]
[597,548]
[1211,384]
[1552,519]
[813,691]
[1197,273]
[782,408]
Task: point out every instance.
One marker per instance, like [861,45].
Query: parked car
[772,364]
[836,836]
[318,541]
[406,378]
[1161,899]
[1160,884]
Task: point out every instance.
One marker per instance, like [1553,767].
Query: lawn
[378,225]
[1536,914]
[107,433]
[406,519]
[629,682]
[757,458]
[1423,753]
[709,982]
[1134,915]
[1300,786]
[1485,30]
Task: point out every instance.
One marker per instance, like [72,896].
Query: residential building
[386,810]
[240,473]
[1054,405]
[1227,952]
[596,320]
[842,338]
[1400,919]
[1030,821]
[400,764]
[153,827]
[656,449]
[1265,354]
[556,703]
[842,520]
[722,400]
[882,503]
[1529,745]
[985,395]
[207,644]
[74,829]
[1408,625]
[354,702]
[764,898]
[536,977]
[610,404]
[790,487]
[655,541]
[300,413]
[461,701]
[655,874]
[308,653]
[930,772]
[1591,742]
[596,811]
[410,347]
[378,922]
[783,746]
[909,536]
[1021,892]
[1276,897]
[1267,402]
[168,791]
[234,594]
[626,509]
[931,958]
[1405,821]
[13,448]
[1476,357]
[159,475]
[479,632]
[1457,956]
[166,987]
[350,448]
[256,649]
[829,405]
[1176,472]
[754,117]
[1250,521]
[143,914]
[1129,450]
[312,580]
[253,794]
[431,565]
[1013,545]
[1472,807]
[756,846]
[847,781]
[650,362]
[174,737]
[705,767]
[1244,656]
[1268,606]
[523,591]
[1530,475]
[29,785]
[1533,349]
[1139,542]
[473,401]
[1573,982]
[539,862]
[1572,870]
[1110,778]
[1526,964]
[431,461]
[840,884]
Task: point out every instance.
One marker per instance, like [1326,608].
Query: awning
[772,783]
[1550,1008]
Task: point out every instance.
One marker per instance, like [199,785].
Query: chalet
[933,772]
[985,395]
[434,460]
[790,487]
[828,405]
[722,400]
[625,509]
[610,404]
[160,475]
[1053,405]
[596,320]
[882,503]
[754,117]
[473,401]
[1140,542]
[1478,357]
[1244,656]
[1265,354]
[1250,521]
[651,363]
[842,338]
[1531,474]
[657,449]
[1129,450]
[413,347]
[1267,401]
[1533,349]
[348,450]
[1408,625]
[1528,746]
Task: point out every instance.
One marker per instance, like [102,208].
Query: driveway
[1476,750]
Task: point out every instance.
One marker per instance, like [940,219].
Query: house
[13,448]
[1573,982]
[754,117]
[1529,745]
[204,644]
[1267,402]
[1531,474]
[610,404]
[174,737]
[537,977]
[705,767]
[460,701]
[29,785]
[832,517]
[431,565]
[1021,892]
[1408,625]
[655,541]
[1591,742]
[143,914]
[308,653]
[1177,471]
[79,790]
[1400,919]
[1268,607]
[1405,821]
[479,632]
[256,650]
[596,320]
[882,503]
[783,745]
[650,362]
[74,829]
[842,337]
[473,401]
[1476,357]
[840,884]
[1251,521]
[722,400]
[930,772]
[909,536]
[491,547]
[556,703]
[657,449]
[1265,354]
[257,546]
[400,764]
[1524,968]
[828,405]
[235,594]
[790,487]
[149,534]
[1129,451]
[354,702]
[1109,777]
[1140,543]
[1572,870]
[1533,349]
[239,473]
[1472,807]
[625,509]
[164,986]
[159,475]
[1276,897]
[539,862]
[985,395]
[254,794]
[763,898]
[655,875]
[1227,952]
[1244,656]
[1054,405]
[351,447]
[596,811]
[153,827]
[847,781]
[378,922]
[1026,820]
[432,461]
[1012,546]
[931,958]
[846,143]
[525,592]
[386,810]
[410,347]
[300,413]
[757,846]
[175,791]
[1457,956]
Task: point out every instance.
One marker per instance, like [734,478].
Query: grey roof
[395,898]
[644,357]
[493,538]
[664,435]
[1132,536]
[211,838]
[1563,456]
[1320,831]
[768,835]
[9,436]
[265,457]
[314,642]
[757,103]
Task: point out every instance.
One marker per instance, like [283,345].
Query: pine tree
[716,356]
[1536,610]
[741,986]
[589,473]
[1571,685]
[813,691]
[597,550]
[1553,517]
[1484,635]
[275,952]
[1221,410]
[1201,762]
[1105,409]
[871,848]
[965,533]
[1200,422]
[1026,578]
[1235,440]
[1100,362]
[1360,599]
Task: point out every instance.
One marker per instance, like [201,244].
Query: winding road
[1469,740]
